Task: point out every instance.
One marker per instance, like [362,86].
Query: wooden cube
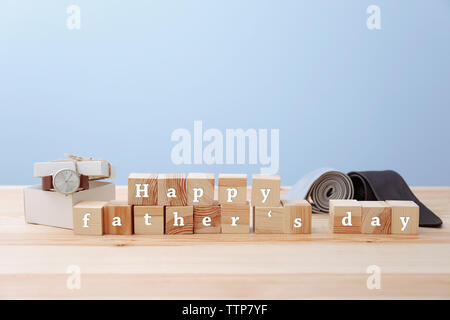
[236,218]
[172,189]
[200,189]
[299,217]
[118,218]
[405,217]
[270,219]
[232,188]
[345,216]
[143,189]
[148,219]
[179,220]
[207,219]
[266,190]
[88,218]
[376,217]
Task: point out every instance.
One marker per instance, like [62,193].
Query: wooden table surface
[34,261]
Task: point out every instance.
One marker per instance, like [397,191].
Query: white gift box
[91,168]
[55,209]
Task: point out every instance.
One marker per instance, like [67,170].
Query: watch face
[66,181]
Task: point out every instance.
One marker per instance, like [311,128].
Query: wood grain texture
[267,183]
[237,213]
[277,266]
[118,218]
[94,225]
[212,213]
[234,181]
[270,219]
[404,210]
[147,189]
[155,219]
[338,210]
[225,286]
[297,209]
[179,220]
[167,182]
[378,211]
[204,182]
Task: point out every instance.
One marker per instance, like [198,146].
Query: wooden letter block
[376,217]
[148,219]
[299,216]
[207,219]
[345,216]
[172,189]
[143,189]
[270,219]
[118,218]
[405,217]
[88,218]
[179,220]
[236,218]
[265,190]
[200,189]
[232,188]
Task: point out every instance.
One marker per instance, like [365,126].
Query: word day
[176,204]
[374,217]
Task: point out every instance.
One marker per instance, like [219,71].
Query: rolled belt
[389,185]
[321,185]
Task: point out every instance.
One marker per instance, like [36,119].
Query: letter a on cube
[172,189]
[118,218]
[376,217]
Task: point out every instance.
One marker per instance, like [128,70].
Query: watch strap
[84,182]
[47,182]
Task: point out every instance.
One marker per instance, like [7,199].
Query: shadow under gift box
[55,209]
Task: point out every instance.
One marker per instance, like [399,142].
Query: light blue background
[341,95]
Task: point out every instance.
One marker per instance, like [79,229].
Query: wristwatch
[65,181]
